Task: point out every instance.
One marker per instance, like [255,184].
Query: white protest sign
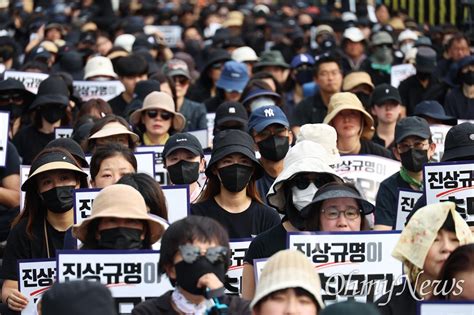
[258,265]
[445,308]
[366,172]
[202,136]
[4,124]
[177,201]
[63,132]
[161,174]
[239,248]
[210,127]
[31,80]
[400,73]
[83,200]
[451,181]
[351,264]
[171,33]
[438,134]
[132,276]
[406,202]
[24,172]
[105,90]
[35,277]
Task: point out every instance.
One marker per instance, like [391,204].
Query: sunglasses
[214,255]
[163,114]
[302,182]
[180,80]
[11,98]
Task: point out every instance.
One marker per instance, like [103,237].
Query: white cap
[243,54]
[4,4]
[353,34]
[407,34]
[125,41]
[348,16]
[99,66]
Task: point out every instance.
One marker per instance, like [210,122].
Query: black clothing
[311,110]
[458,105]
[29,141]
[162,305]
[386,202]
[118,105]
[267,244]
[381,142]
[377,76]
[403,304]
[256,219]
[200,91]
[369,147]
[195,114]
[19,246]
[212,103]
[12,167]
[263,185]
[412,92]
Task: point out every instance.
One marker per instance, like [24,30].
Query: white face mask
[406,47]
[261,101]
[301,198]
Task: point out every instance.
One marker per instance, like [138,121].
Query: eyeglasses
[11,98]
[163,114]
[191,253]
[302,182]
[404,147]
[332,213]
[180,80]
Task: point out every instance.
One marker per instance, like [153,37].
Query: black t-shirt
[29,141]
[413,92]
[267,244]
[386,202]
[256,219]
[381,142]
[368,147]
[12,165]
[400,303]
[118,105]
[458,105]
[19,246]
[162,305]
[263,185]
[311,110]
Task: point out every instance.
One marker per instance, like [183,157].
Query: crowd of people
[284,91]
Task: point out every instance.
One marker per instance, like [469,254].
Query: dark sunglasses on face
[180,80]
[385,46]
[302,182]
[11,98]
[163,114]
[191,253]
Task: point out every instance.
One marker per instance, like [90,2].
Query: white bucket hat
[99,66]
[125,41]
[244,54]
[322,134]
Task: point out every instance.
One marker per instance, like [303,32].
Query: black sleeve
[12,162]
[198,209]
[300,117]
[145,308]
[272,218]
[385,204]
[237,305]
[17,248]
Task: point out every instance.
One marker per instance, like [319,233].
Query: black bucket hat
[51,161]
[71,62]
[72,147]
[216,56]
[459,143]
[11,85]
[53,90]
[337,190]
[233,141]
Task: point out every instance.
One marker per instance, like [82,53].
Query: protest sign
[202,136]
[171,33]
[355,265]
[4,125]
[400,73]
[406,202]
[366,172]
[238,248]
[132,276]
[105,90]
[445,308]
[24,173]
[35,276]
[161,175]
[31,80]
[451,181]
[438,134]
[83,200]
[62,132]
[210,128]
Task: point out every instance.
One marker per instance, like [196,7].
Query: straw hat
[120,201]
[346,100]
[288,269]
[159,100]
[112,129]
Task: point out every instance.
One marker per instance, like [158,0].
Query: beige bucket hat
[112,129]
[356,78]
[288,269]
[120,201]
[163,101]
[346,100]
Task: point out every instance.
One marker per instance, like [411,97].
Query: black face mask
[193,47]
[304,76]
[423,76]
[59,199]
[414,159]
[52,113]
[468,78]
[120,238]
[274,148]
[184,172]
[187,275]
[364,98]
[15,110]
[235,177]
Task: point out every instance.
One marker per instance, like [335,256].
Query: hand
[16,301]
[210,281]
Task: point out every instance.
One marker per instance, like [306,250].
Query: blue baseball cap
[234,76]
[301,59]
[265,116]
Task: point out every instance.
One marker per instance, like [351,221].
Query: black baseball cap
[385,92]
[72,147]
[459,143]
[185,141]
[412,126]
[231,112]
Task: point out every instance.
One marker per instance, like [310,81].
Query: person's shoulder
[158,305]
[305,103]
[202,206]
[263,208]
[391,180]
[407,82]
[236,304]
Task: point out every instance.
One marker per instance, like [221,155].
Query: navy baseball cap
[412,126]
[433,109]
[265,116]
[301,59]
[234,76]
